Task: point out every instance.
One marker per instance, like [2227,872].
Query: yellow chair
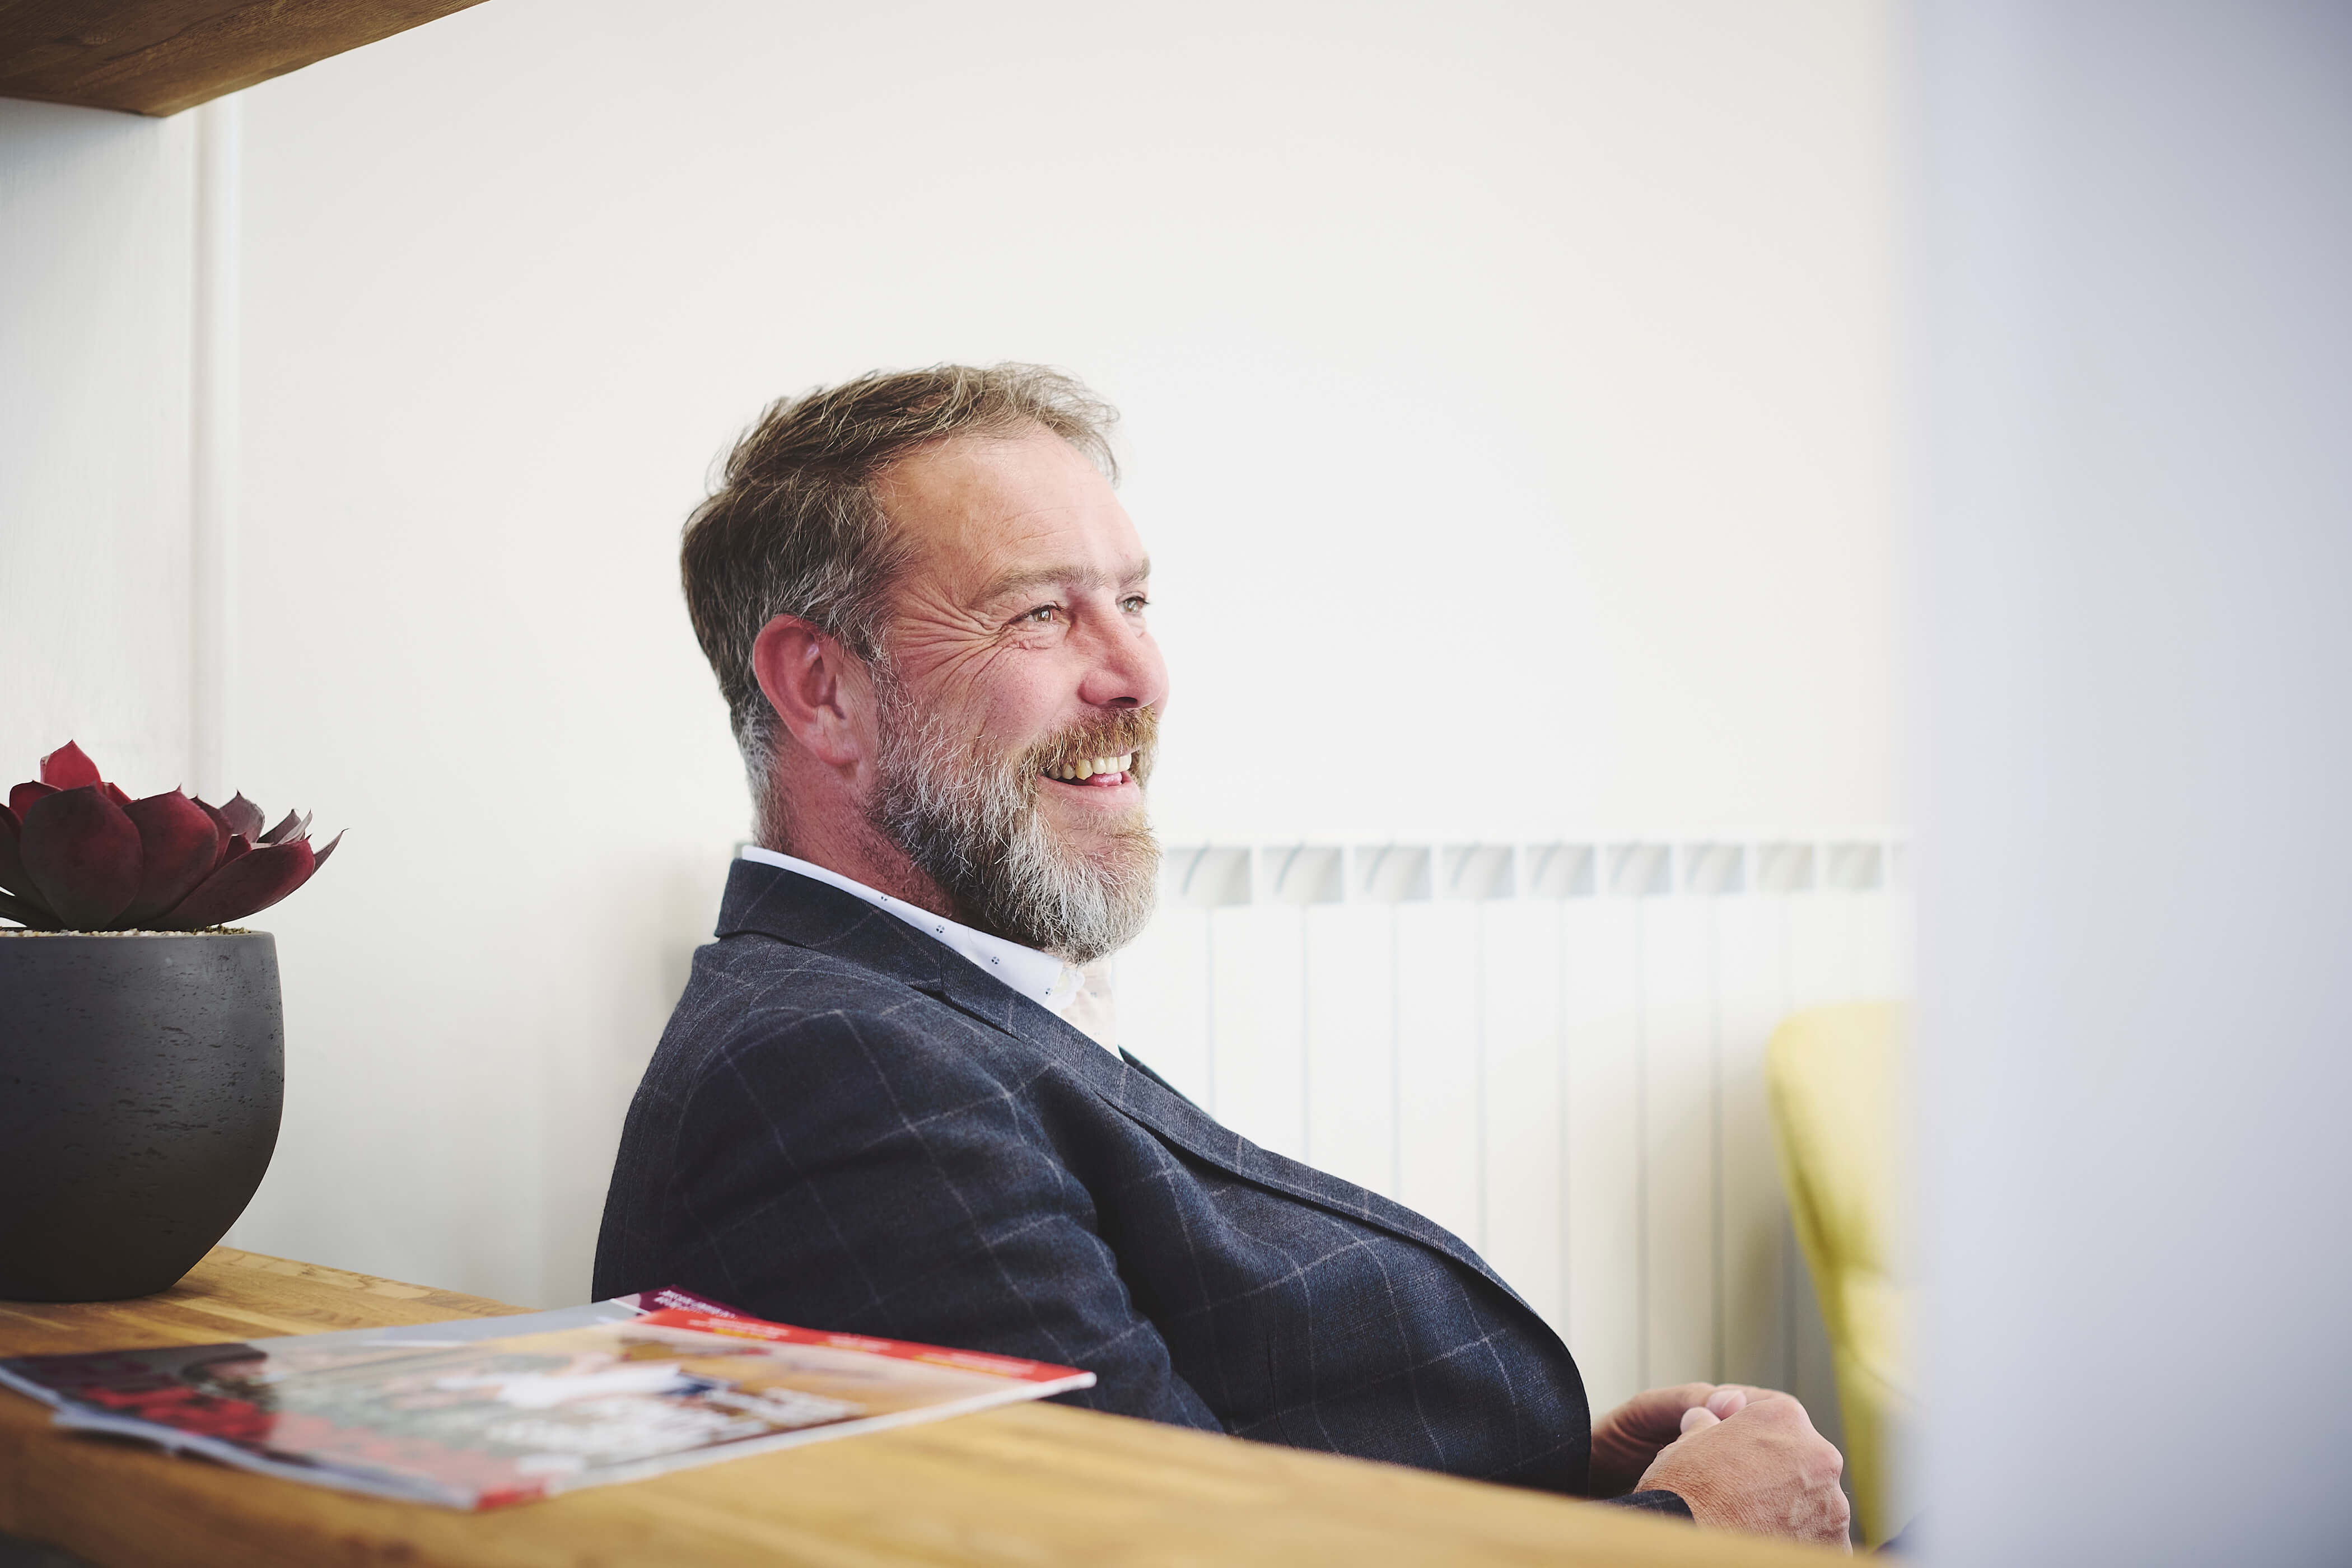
[1834,1077]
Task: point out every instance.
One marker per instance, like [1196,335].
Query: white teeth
[1087,767]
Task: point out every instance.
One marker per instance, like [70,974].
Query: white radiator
[1555,1050]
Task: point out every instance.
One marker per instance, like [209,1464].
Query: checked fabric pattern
[848,1126]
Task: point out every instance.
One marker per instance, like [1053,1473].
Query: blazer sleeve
[1657,1500]
[849,1171]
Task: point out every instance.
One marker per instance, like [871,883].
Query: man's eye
[1042,613]
[1134,604]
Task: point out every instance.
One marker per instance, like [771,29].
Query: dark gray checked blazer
[849,1126]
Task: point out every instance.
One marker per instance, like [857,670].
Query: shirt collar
[1040,976]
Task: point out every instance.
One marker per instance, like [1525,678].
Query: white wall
[96,274]
[1507,387]
[2136,883]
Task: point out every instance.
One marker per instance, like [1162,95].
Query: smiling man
[891,1100]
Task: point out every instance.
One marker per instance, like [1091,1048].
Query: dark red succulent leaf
[12,871]
[241,816]
[26,913]
[227,832]
[69,767]
[238,843]
[18,883]
[321,858]
[180,847]
[114,793]
[15,881]
[250,882]
[83,855]
[25,794]
[294,824]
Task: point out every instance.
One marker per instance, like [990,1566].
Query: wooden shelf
[159,57]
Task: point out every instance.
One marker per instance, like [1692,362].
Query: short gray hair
[794,527]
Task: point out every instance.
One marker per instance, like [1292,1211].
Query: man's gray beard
[971,823]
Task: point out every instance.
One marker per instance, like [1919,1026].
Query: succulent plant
[77,854]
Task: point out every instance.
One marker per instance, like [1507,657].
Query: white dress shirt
[1080,997]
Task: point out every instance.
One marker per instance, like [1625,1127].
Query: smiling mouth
[1093,772]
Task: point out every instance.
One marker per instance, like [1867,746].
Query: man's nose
[1124,669]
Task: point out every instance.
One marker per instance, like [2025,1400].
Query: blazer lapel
[1139,1065]
[775,902]
[1143,1095]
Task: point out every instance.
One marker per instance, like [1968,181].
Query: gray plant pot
[140,1082]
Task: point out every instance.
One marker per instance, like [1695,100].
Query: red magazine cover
[545,1407]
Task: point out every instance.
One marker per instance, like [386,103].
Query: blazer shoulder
[758,970]
[753,997]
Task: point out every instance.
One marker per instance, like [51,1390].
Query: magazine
[485,1412]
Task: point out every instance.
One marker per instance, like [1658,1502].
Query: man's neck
[1080,995]
[869,859]
[825,828]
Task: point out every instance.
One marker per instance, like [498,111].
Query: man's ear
[815,686]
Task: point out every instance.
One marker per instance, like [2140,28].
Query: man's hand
[1762,1468]
[1628,1439]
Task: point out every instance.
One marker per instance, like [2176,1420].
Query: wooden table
[1033,1485]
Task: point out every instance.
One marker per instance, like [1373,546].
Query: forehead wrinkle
[1019,578]
[957,514]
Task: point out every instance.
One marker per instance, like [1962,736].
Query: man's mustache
[1128,730]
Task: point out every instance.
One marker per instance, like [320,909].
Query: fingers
[1777,1410]
[1706,1405]
[1652,1414]
[1672,1401]
[1626,1441]
[1761,1466]
[1724,1402]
